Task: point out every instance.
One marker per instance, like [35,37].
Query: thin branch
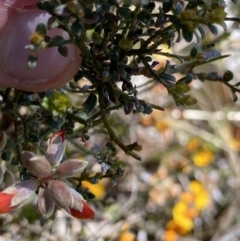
[110,130]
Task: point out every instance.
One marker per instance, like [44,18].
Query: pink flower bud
[70,168]
[56,148]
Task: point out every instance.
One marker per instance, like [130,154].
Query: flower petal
[86,213]
[5,202]
[77,200]
[45,202]
[56,148]
[70,168]
[61,194]
[37,165]
[22,192]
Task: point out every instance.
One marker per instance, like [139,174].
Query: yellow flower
[203,158]
[201,195]
[97,189]
[182,217]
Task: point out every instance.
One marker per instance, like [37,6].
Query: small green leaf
[124,13]
[41,29]
[167,6]
[213,29]
[63,50]
[180,88]
[187,35]
[188,100]
[145,17]
[178,8]
[76,27]
[15,161]
[56,41]
[90,103]
[128,107]
[202,32]
[195,50]
[125,44]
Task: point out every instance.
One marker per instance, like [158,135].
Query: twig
[110,130]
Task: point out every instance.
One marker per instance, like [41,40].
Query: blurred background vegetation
[185,188]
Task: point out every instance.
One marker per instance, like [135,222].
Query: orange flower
[193,144]
[127,236]
[170,235]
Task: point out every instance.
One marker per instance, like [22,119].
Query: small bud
[227,76]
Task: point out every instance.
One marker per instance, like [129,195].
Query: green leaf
[90,103]
[180,88]
[145,17]
[178,8]
[202,32]
[124,13]
[213,29]
[41,29]
[15,161]
[63,50]
[167,6]
[76,27]
[195,50]
[187,35]
[125,43]
[56,41]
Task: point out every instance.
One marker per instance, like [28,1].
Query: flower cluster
[48,184]
[189,207]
